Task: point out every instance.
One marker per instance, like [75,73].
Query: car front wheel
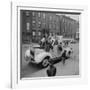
[45,63]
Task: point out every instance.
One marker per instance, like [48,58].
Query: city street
[71,66]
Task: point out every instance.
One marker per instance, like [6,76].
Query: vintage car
[37,55]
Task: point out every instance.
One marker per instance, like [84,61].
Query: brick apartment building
[34,24]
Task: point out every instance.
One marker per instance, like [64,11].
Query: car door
[55,52]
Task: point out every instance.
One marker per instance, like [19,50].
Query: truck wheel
[45,62]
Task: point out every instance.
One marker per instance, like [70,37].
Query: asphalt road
[71,66]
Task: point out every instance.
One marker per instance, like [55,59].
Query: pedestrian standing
[64,57]
[42,42]
[51,71]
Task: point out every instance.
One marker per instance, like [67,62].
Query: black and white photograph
[49,43]
[45,44]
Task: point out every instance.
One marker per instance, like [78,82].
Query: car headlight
[27,55]
[27,58]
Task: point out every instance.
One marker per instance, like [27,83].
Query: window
[50,17]
[39,33]
[33,23]
[57,27]
[50,26]
[33,33]
[33,13]
[44,15]
[54,26]
[27,26]
[39,14]
[27,13]
[39,24]
[44,25]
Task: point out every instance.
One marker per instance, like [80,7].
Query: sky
[75,17]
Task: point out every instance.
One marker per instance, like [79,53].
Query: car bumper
[33,61]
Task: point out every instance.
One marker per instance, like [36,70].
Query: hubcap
[45,62]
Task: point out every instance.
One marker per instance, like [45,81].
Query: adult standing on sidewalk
[51,71]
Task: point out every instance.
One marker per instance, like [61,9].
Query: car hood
[37,51]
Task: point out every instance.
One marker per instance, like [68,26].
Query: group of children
[47,42]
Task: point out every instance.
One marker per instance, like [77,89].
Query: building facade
[34,25]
